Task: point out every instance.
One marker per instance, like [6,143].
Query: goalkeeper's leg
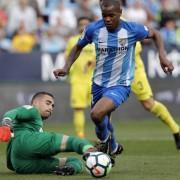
[32,153]
[61,166]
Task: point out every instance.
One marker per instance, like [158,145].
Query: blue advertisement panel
[23,74]
[20,67]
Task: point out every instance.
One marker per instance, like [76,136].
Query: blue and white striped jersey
[114,51]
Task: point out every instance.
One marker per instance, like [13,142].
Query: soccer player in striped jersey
[115,42]
[31,150]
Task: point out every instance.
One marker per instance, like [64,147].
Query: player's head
[82,23]
[44,102]
[111,13]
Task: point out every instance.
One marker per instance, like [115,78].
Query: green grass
[150,153]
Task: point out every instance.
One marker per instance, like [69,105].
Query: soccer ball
[98,164]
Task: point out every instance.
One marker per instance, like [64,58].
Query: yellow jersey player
[80,78]
[142,89]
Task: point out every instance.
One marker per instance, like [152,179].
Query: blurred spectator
[23,41]
[22,12]
[5,43]
[41,6]
[84,9]
[35,6]
[42,28]
[136,11]
[170,6]
[154,6]
[63,19]
[168,32]
[48,6]
[94,4]
[169,10]
[8,4]
[70,4]
[51,42]
[178,37]
[3,18]
[61,16]
[124,3]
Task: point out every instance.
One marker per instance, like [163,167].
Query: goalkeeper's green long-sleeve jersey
[25,118]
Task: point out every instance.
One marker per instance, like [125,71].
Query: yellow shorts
[140,85]
[80,95]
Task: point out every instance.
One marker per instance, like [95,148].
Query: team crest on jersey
[122,42]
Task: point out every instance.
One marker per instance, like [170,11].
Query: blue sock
[113,140]
[102,131]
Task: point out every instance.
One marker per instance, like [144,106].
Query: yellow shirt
[138,61]
[78,72]
[23,43]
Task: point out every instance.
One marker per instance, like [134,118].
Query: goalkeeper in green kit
[30,150]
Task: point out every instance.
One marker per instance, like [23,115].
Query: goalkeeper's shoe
[177,140]
[65,171]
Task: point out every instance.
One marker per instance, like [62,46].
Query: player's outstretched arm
[165,63]
[74,54]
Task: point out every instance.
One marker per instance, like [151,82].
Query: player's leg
[102,107]
[161,112]
[115,148]
[111,146]
[41,146]
[101,127]
[79,121]
[69,166]
[52,143]
[60,166]
[143,92]
[79,103]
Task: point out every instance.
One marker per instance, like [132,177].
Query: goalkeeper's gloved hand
[5,133]
[6,130]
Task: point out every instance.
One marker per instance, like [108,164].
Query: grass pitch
[149,154]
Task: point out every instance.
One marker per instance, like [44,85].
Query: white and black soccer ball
[98,164]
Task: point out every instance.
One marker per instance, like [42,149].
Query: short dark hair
[111,2]
[84,18]
[39,94]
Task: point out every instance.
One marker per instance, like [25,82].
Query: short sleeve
[141,31]
[86,37]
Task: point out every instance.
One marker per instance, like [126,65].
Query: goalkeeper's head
[44,102]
